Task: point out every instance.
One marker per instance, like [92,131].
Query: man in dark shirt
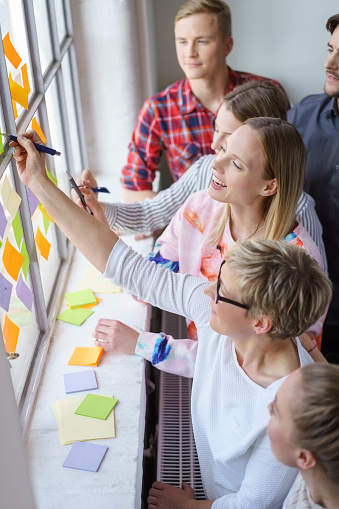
[317,119]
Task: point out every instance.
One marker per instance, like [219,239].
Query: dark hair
[332,23]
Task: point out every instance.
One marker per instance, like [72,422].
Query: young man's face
[201,49]
[332,66]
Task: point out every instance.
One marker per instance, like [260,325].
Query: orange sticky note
[10,333]
[10,51]
[89,306]
[25,80]
[38,129]
[15,111]
[45,213]
[18,93]
[12,259]
[86,356]
[42,243]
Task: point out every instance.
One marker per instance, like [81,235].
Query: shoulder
[242,76]
[303,239]
[299,496]
[310,105]
[171,92]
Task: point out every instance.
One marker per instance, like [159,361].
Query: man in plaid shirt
[179,120]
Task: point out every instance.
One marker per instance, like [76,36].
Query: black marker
[79,193]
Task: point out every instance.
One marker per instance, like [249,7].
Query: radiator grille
[177,457]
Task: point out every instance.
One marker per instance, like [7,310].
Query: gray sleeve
[307,216]
[155,213]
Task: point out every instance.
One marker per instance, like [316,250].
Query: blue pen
[100,189]
[41,148]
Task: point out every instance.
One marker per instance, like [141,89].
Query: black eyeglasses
[224,299]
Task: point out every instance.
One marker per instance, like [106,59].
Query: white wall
[282,39]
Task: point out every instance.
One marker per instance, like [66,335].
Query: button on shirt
[173,121]
[316,118]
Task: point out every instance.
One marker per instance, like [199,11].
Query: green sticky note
[51,177]
[25,265]
[75,316]
[80,298]
[46,223]
[98,407]
[17,229]
[1,145]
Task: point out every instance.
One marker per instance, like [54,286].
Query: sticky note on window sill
[80,298]
[95,406]
[80,381]
[83,356]
[84,456]
[75,316]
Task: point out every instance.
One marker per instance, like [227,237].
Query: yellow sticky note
[10,51]
[10,333]
[10,197]
[45,213]
[25,80]
[15,110]
[43,244]
[12,259]
[94,280]
[18,93]
[37,129]
[86,356]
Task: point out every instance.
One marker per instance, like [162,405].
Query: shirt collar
[331,108]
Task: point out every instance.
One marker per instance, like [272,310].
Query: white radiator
[177,459]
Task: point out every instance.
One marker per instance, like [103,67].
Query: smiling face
[238,170]
[228,319]
[201,49]
[332,66]
[225,124]
[280,426]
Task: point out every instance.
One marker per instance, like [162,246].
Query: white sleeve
[266,482]
[177,293]
[156,213]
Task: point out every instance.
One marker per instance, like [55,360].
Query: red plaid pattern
[175,122]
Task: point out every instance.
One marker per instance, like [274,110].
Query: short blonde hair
[218,8]
[316,416]
[281,281]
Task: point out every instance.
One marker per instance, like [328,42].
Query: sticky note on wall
[10,334]
[43,244]
[10,52]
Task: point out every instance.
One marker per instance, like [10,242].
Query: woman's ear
[270,188]
[305,459]
[262,324]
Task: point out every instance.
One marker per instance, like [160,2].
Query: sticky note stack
[80,306]
[86,356]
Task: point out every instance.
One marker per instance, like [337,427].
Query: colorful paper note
[38,130]
[1,145]
[12,259]
[24,252]
[75,316]
[51,177]
[77,427]
[18,93]
[15,110]
[5,292]
[80,298]
[43,244]
[33,201]
[17,229]
[80,381]
[24,293]
[95,406]
[10,51]
[3,221]
[85,456]
[90,306]
[45,213]
[10,334]
[25,80]
[46,224]
[83,356]
[93,279]
[11,199]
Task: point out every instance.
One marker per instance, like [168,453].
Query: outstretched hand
[165,496]
[29,161]
[115,336]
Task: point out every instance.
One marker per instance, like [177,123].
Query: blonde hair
[281,281]
[218,8]
[316,416]
[285,156]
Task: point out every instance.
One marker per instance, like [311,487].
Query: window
[39,89]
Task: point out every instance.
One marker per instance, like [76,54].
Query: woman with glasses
[304,434]
[268,293]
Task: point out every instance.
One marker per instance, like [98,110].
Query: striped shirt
[176,123]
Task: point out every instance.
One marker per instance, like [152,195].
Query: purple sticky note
[5,292]
[33,201]
[85,456]
[80,381]
[3,221]
[24,293]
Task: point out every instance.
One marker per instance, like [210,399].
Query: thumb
[27,145]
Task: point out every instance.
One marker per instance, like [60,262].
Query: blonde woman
[304,434]
[248,323]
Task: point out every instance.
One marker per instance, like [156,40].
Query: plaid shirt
[173,121]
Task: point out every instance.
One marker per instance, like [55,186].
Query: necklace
[251,234]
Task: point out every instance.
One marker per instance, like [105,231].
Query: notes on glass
[42,243]
[12,259]
[10,334]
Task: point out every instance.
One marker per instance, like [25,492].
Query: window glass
[60,18]
[44,39]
